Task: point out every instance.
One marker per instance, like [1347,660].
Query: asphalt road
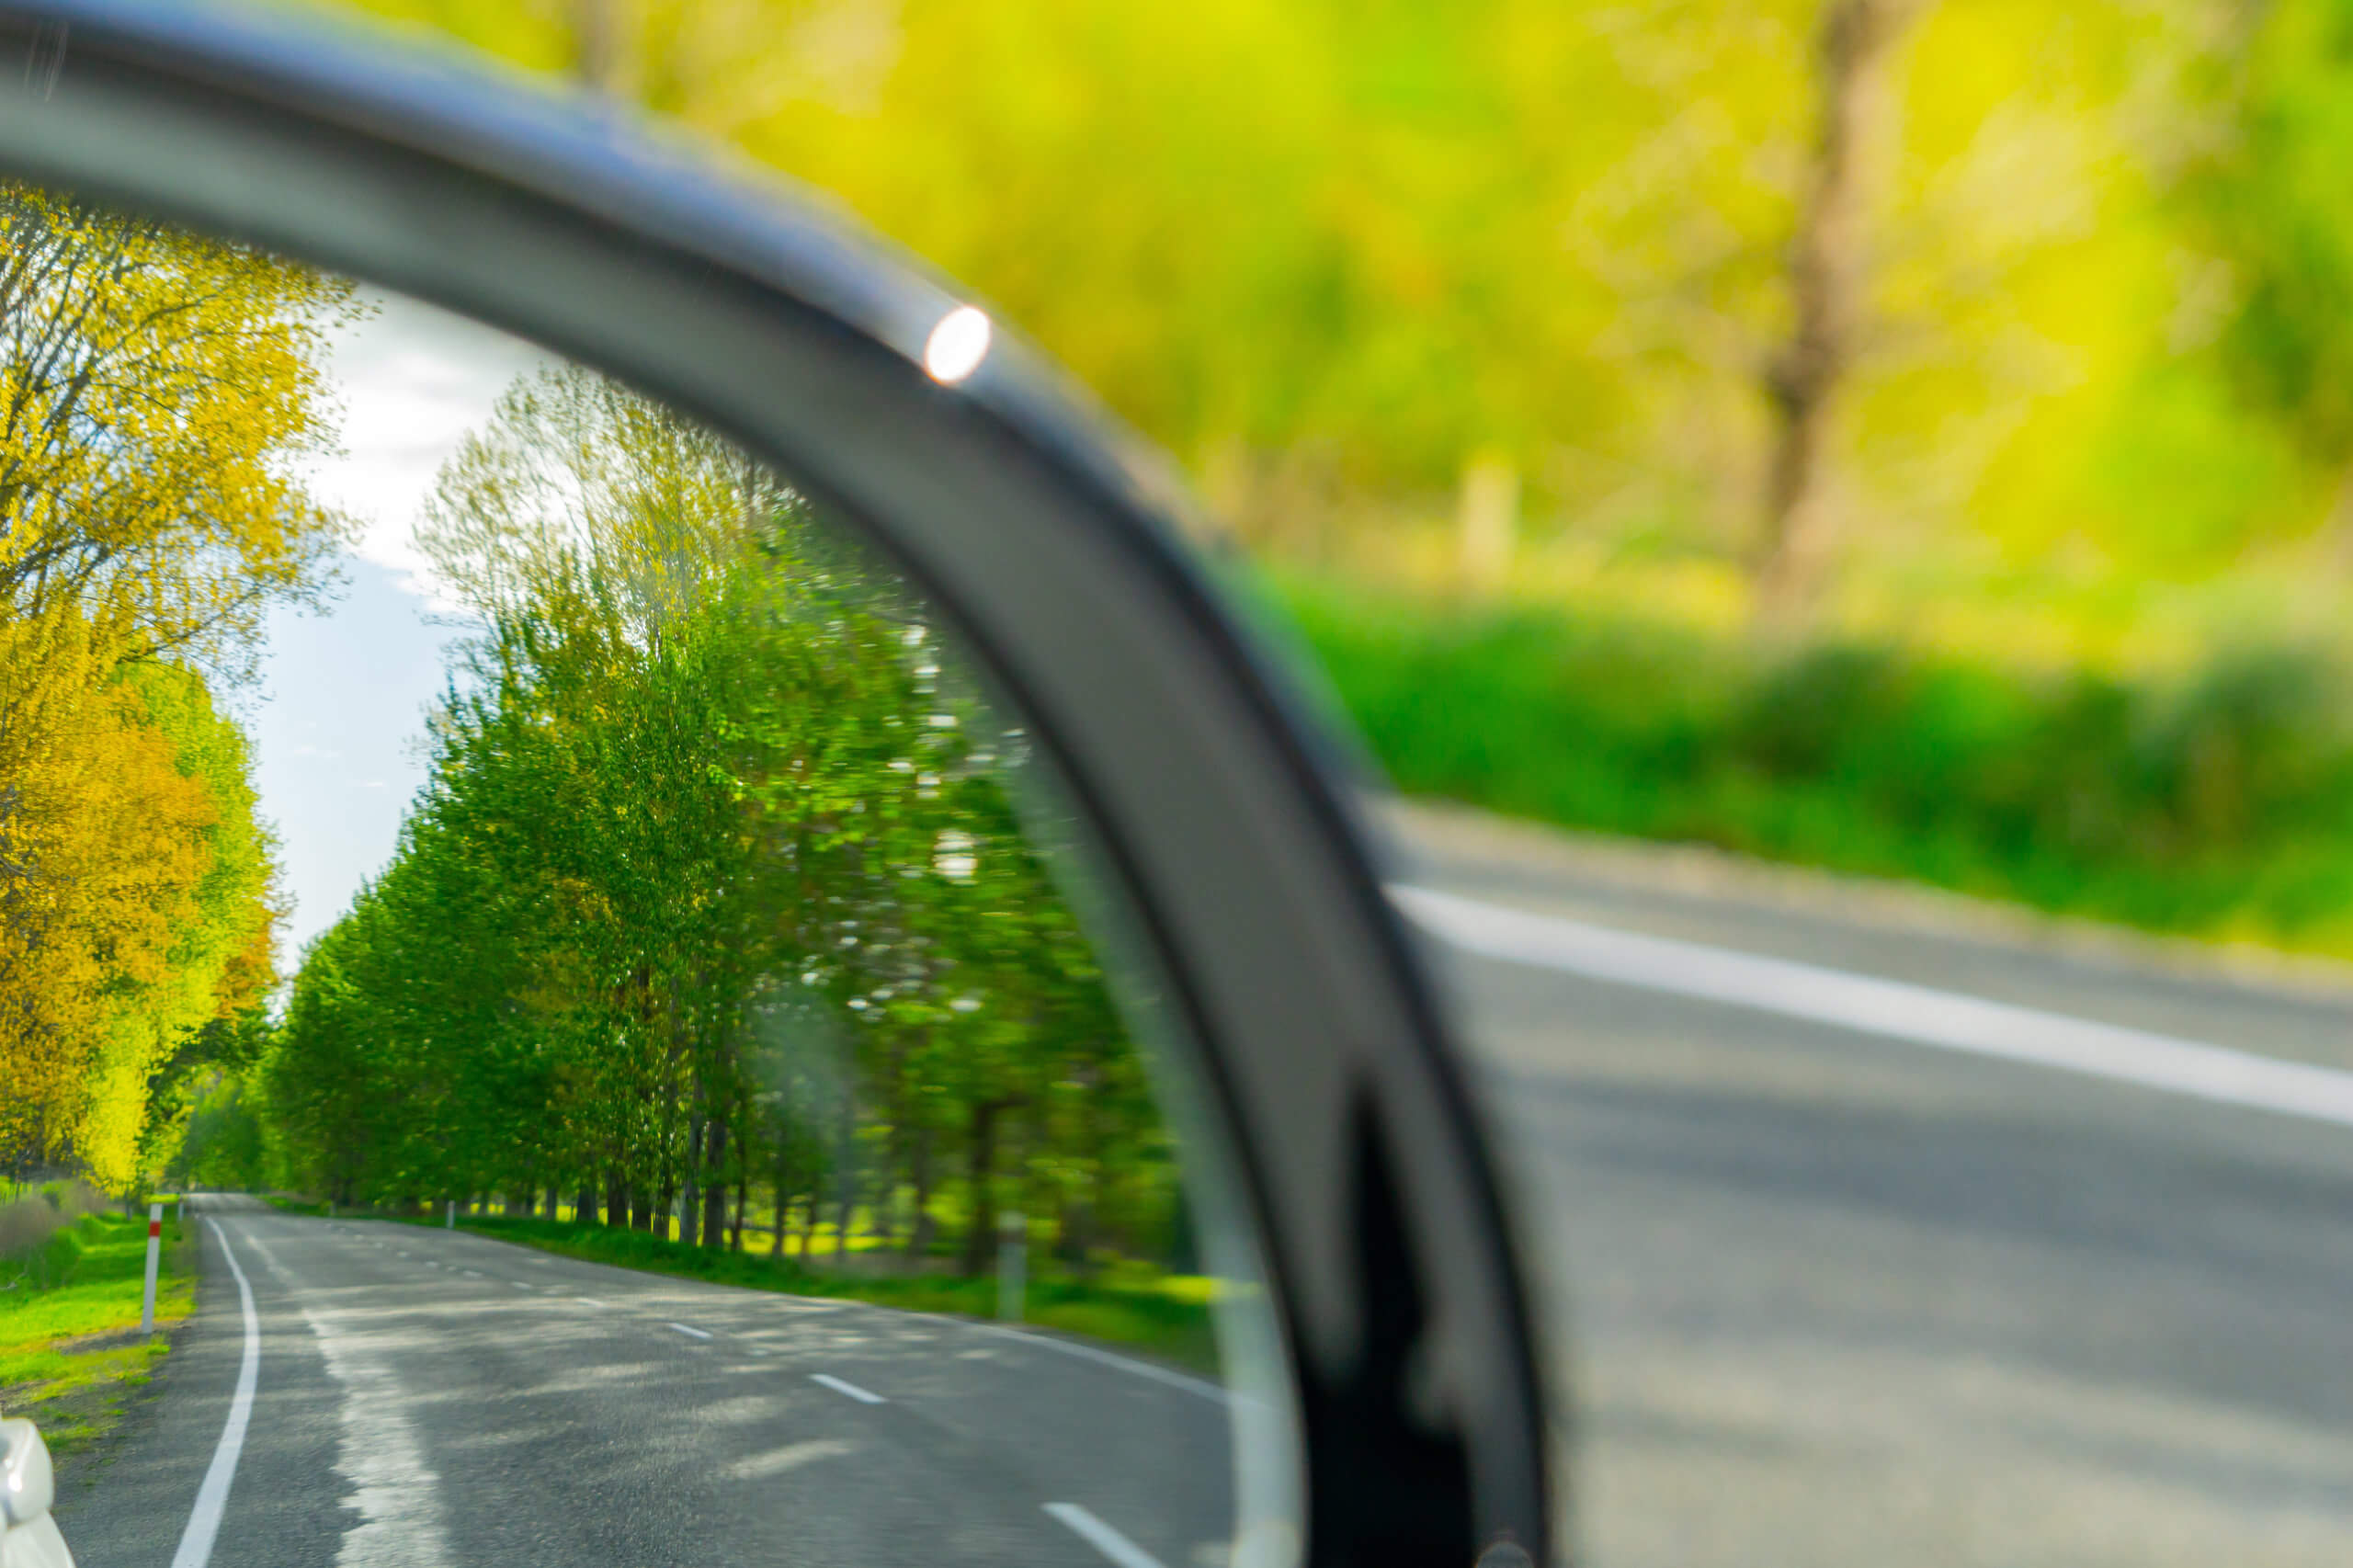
[1832,1299]
[1825,1297]
[426,1397]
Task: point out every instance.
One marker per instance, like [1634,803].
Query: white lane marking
[520,1286]
[1916,1015]
[1102,1537]
[472,1273]
[588,1301]
[690,1329]
[1206,1390]
[396,1494]
[792,1456]
[838,1386]
[212,1496]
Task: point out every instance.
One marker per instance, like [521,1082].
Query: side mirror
[1211,827]
[29,1537]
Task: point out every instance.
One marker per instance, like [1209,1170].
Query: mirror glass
[630,1054]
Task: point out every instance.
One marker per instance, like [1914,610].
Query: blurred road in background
[1829,1299]
[434,1398]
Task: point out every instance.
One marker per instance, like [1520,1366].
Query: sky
[337,720]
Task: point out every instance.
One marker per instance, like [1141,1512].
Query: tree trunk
[1827,281]
[714,1192]
[691,1213]
[584,1205]
[600,45]
[616,1200]
[980,1240]
[919,1227]
[1487,523]
[844,1177]
[742,1197]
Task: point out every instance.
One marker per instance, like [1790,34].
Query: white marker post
[450,1221]
[1012,1264]
[154,1250]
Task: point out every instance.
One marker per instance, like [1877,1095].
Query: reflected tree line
[720,902]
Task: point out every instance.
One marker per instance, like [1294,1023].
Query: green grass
[2216,802]
[86,1281]
[1163,1315]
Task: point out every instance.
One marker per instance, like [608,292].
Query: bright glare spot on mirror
[957,346]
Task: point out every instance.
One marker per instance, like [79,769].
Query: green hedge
[2218,803]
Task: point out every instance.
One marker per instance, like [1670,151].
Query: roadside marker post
[154,1248]
[1012,1264]
[449,1222]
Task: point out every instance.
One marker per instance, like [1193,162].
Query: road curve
[434,1398]
[1829,1298]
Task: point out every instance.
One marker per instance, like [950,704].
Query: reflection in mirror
[648,1065]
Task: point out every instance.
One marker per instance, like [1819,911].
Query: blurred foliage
[2216,803]
[1330,253]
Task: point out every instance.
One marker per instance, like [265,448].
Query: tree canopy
[158,396]
[720,884]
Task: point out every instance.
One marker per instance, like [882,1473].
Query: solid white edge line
[212,1496]
[1898,1010]
[1088,1353]
[839,1386]
[690,1329]
[1102,1537]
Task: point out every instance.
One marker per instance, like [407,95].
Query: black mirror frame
[1411,1328]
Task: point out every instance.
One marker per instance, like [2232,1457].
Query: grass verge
[69,1348]
[1165,1316]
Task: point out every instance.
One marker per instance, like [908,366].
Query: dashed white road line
[588,1301]
[1102,1537]
[212,1496]
[839,1386]
[690,1329]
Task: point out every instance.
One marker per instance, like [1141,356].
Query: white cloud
[415,381]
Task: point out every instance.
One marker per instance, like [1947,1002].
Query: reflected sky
[337,717]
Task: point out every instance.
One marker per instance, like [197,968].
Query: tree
[157,392]
[717,880]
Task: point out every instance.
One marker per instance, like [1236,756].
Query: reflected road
[431,1397]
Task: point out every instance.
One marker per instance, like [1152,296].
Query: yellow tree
[158,396]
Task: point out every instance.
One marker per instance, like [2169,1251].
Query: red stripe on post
[155,1228]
